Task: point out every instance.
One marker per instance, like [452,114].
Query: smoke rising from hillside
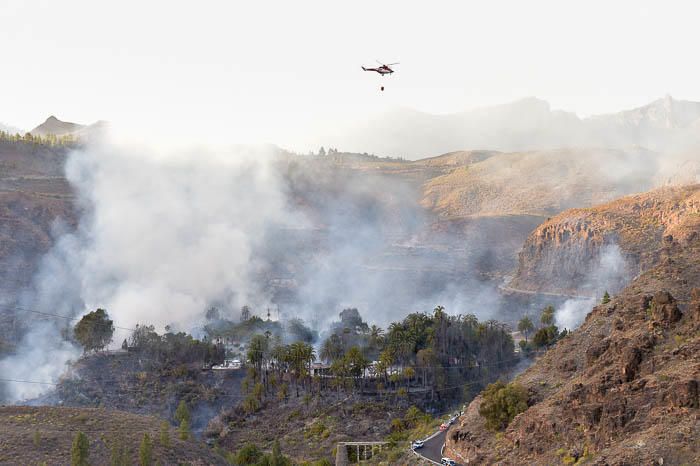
[160,239]
[611,274]
[164,236]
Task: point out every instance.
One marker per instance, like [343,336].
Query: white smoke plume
[162,238]
[611,275]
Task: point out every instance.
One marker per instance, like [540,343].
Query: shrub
[251,404]
[282,392]
[36,440]
[249,454]
[182,413]
[501,403]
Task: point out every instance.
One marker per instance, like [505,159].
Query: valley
[492,236]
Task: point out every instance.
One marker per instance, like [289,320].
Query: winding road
[432,448]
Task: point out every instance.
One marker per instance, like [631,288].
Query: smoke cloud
[163,236]
[611,274]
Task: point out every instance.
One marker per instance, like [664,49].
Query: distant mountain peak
[53,125]
[665,112]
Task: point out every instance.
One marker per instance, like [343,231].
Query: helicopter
[383,69]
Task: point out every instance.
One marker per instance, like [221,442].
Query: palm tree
[525,326]
[332,348]
[376,337]
[301,355]
[408,374]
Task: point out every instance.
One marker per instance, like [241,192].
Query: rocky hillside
[570,252]
[43,435]
[624,387]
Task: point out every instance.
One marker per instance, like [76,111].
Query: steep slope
[564,253]
[36,202]
[624,387]
[32,435]
[34,199]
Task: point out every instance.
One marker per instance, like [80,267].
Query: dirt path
[508,289]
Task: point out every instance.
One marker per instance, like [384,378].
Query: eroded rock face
[566,253]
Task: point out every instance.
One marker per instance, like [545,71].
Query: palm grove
[436,357]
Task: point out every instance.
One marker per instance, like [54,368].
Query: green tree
[258,351]
[606,298]
[525,326]
[94,331]
[182,413]
[80,450]
[501,403]
[332,348]
[547,317]
[119,456]
[546,336]
[146,451]
[165,433]
[184,429]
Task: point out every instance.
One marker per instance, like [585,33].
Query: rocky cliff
[624,387]
[573,251]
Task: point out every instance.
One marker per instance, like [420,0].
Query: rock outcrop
[568,251]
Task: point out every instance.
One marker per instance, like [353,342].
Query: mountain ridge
[524,124]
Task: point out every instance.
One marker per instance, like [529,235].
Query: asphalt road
[432,449]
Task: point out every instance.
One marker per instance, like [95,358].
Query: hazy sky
[274,71]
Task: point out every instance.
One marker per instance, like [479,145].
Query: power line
[49,314]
